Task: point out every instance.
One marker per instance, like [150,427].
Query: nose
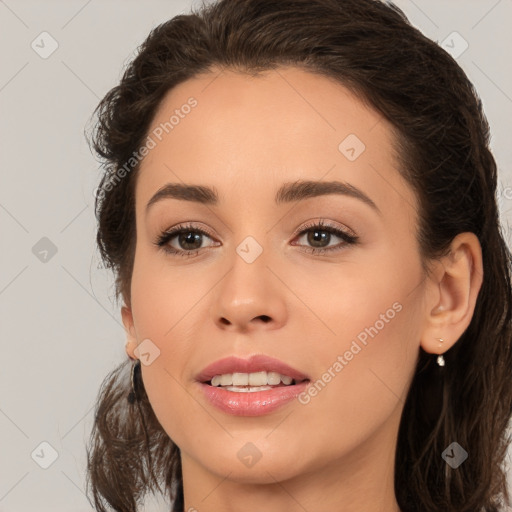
[250,297]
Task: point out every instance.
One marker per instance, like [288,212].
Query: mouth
[252,382]
[243,375]
[251,387]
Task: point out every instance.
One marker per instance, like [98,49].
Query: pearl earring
[440,358]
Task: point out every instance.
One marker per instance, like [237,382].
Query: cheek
[164,297]
[365,359]
[167,309]
[362,377]
[373,301]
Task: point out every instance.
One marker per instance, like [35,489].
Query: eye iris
[190,237]
[318,236]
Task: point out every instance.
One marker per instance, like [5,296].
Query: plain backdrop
[61,332]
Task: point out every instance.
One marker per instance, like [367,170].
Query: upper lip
[256,363]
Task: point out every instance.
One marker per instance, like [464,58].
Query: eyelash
[165,237]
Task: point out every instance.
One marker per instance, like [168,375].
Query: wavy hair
[441,137]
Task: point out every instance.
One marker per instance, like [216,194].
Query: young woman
[299,207]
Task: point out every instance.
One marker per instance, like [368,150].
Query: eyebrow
[287,193]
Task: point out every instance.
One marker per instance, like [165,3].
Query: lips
[256,363]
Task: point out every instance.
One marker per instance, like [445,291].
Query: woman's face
[348,318]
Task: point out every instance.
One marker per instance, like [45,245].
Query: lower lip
[255,403]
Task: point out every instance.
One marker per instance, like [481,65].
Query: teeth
[240,379]
[274,378]
[226,380]
[286,380]
[257,380]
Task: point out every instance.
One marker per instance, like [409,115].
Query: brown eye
[319,235]
[189,240]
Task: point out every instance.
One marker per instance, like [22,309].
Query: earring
[440,358]
[132,395]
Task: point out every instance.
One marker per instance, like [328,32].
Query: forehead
[242,133]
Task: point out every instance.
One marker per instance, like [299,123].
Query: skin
[246,137]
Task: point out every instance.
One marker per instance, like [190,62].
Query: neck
[361,479]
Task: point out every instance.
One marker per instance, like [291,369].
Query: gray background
[61,331]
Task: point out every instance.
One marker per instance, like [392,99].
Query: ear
[131,339]
[453,290]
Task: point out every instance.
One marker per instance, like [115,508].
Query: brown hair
[442,141]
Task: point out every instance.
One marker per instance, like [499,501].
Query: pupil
[189,238]
[318,236]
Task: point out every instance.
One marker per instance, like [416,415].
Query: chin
[266,470]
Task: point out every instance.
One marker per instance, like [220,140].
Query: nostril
[265,318]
